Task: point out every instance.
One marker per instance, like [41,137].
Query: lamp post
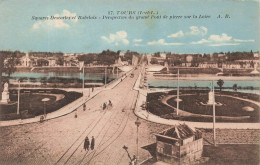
[137,123]
[105,76]
[117,72]
[81,66]
[214,115]
[178,92]
[18,100]
[44,106]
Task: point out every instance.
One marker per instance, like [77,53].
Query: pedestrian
[134,160]
[110,103]
[92,143]
[84,106]
[86,143]
[104,106]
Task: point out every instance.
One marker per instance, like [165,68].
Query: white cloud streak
[224,44]
[195,30]
[117,38]
[176,35]
[137,40]
[221,40]
[238,40]
[162,42]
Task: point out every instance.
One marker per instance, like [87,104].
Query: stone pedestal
[5,95]
[211,98]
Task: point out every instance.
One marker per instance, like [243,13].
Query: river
[204,80]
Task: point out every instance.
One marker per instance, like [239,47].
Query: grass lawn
[31,103]
[232,154]
[231,106]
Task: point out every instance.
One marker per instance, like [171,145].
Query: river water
[204,80]
[28,76]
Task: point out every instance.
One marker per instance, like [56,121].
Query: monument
[211,98]
[5,95]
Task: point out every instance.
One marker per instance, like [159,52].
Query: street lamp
[18,99]
[44,106]
[137,123]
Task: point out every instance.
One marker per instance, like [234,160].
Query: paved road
[60,141]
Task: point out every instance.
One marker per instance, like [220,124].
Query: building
[134,60]
[208,65]
[179,144]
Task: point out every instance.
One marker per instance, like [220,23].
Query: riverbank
[196,70]
[207,77]
[72,69]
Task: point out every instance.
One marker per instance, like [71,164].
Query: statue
[6,86]
[5,95]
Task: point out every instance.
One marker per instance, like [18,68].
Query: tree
[235,87]
[60,61]
[10,63]
[107,57]
[154,61]
[8,60]
[129,56]
[1,71]
[157,54]
[220,83]
[87,58]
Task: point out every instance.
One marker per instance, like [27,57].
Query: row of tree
[107,57]
[177,59]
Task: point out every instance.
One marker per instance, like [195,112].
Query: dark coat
[86,143]
[92,143]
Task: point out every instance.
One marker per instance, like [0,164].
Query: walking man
[86,143]
[104,106]
[110,103]
[92,143]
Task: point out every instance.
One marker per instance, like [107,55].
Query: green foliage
[235,87]
[10,60]
[107,57]
[154,61]
[129,55]
[88,58]
[220,83]
[157,54]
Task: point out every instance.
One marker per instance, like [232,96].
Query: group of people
[106,105]
[87,143]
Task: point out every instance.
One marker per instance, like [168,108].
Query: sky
[170,25]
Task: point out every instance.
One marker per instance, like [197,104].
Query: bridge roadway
[60,141]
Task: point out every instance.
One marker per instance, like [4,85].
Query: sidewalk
[68,108]
[156,119]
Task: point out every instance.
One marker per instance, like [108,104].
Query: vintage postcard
[141,82]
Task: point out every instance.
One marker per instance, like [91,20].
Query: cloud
[137,40]
[238,40]
[195,30]
[200,42]
[176,35]
[60,21]
[162,42]
[69,14]
[118,37]
[221,40]
[138,45]
[223,44]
